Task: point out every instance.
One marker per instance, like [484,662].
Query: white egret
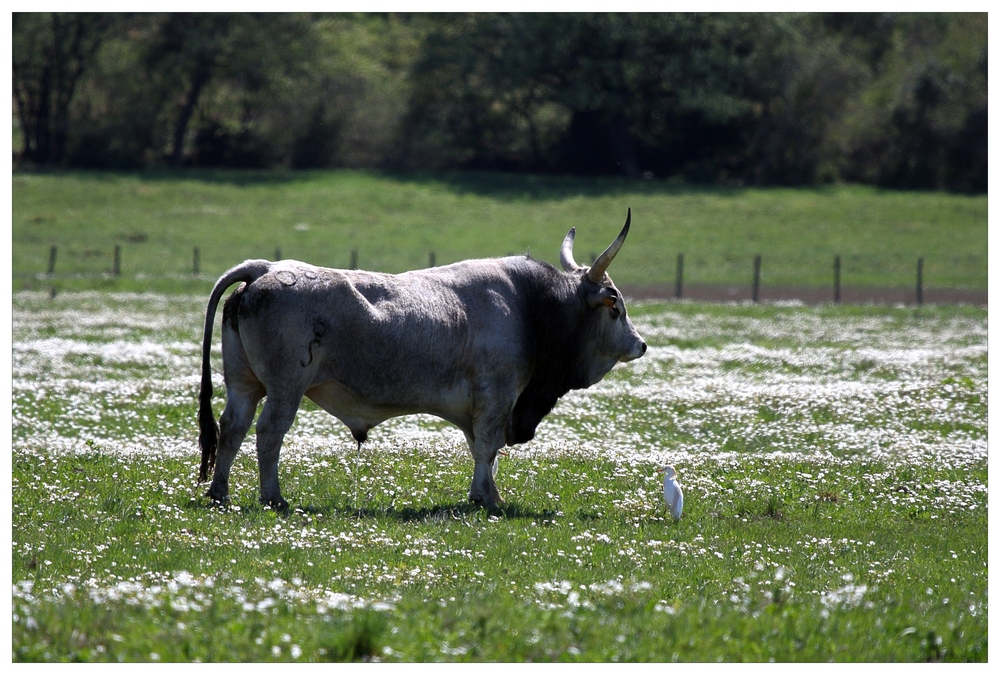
[496,461]
[672,491]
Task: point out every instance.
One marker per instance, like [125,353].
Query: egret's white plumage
[672,492]
[496,461]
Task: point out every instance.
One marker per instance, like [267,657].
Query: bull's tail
[247,272]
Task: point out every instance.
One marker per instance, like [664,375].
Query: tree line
[893,100]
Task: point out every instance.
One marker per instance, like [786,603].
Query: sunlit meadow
[834,463]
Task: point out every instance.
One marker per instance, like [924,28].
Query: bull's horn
[566,253]
[600,266]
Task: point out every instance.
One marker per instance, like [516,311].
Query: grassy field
[834,462]
[395,221]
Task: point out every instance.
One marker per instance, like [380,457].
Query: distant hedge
[894,100]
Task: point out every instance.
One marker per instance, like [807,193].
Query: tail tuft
[209,436]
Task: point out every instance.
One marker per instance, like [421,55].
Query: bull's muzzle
[636,352]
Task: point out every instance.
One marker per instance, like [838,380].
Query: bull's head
[615,338]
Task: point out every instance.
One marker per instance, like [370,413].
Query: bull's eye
[615,313]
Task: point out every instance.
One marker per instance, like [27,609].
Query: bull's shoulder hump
[469,273]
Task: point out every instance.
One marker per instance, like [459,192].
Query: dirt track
[809,296]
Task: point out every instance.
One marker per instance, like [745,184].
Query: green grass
[833,459]
[395,221]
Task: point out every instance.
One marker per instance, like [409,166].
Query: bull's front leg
[484,446]
[484,489]
[494,401]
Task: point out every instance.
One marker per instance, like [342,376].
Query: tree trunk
[202,74]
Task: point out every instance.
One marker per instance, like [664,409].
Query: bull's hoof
[217,498]
[277,504]
[486,502]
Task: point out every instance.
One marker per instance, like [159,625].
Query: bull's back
[409,341]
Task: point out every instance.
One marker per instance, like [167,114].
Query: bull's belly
[362,413]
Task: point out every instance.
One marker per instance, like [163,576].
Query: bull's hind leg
[241,404]
[274,422]
[243,392]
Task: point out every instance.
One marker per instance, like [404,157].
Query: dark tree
[51,52]
[197,51]
[595,93]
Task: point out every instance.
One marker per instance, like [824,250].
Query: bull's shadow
[435,513]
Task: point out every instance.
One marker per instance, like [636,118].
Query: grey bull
[488,345]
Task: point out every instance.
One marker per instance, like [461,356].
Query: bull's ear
[602,296]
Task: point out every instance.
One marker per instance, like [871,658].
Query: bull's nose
[636,352]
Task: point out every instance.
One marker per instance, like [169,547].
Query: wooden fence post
[679,288]
[836,279]
[431,259]
[52,260]
[116,268]
[920,281]
[277,254]
[756,278]
[197,261]
[354,258]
